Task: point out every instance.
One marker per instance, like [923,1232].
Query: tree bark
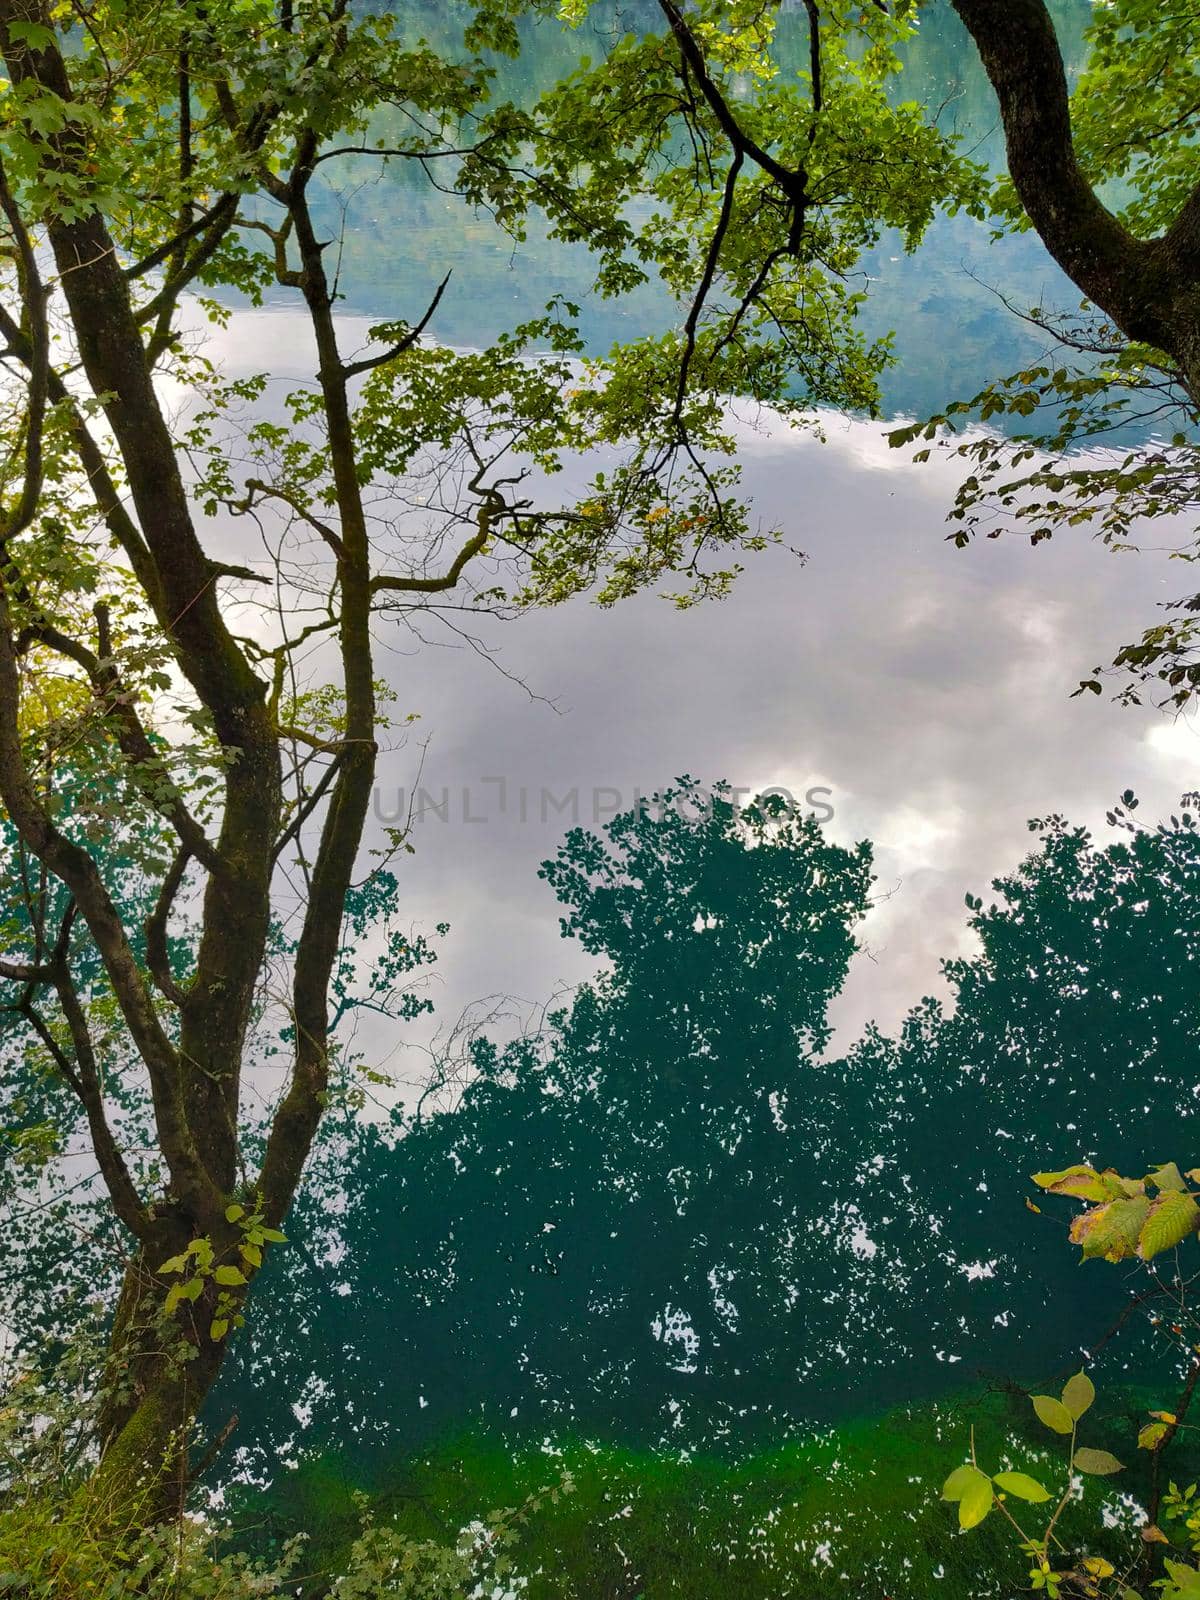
[153,1394]
[1150,288]
[194,1083]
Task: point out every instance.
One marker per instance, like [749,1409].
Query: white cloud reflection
[928,688]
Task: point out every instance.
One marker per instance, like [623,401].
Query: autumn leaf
[1096,1463]
[1111,1231]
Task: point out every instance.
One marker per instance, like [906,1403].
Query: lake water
[927,689]
[919,696]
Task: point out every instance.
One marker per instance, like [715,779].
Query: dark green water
[754,1297]
[674,1216]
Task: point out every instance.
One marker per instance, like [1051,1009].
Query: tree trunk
[1150,288]
[158,1373]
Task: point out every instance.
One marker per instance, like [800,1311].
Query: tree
[215,585]
[1073,1031]
[1107,178]
[672,1217]
[1145,281]
[637,1222]
[1129,130]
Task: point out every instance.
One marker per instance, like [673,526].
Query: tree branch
[1127,278]
[308,806]
[145,764]
[127,1202]
[406,343]
[269,492]
[33,298]
[158,958]
[732,129]
[448,579]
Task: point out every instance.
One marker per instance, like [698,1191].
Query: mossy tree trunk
[189,1031]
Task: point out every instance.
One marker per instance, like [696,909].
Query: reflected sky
[927,688]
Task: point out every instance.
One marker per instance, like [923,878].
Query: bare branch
[146,766]
[406,343]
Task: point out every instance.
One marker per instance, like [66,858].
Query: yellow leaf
[1078,1394]
[975,1503]
[1053,1413]
[1084,1183]
[959,1481]
[1022,1485]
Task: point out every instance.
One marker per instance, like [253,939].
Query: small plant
[1124,1219]
[977,1494]
[52,1547]
[385,1561]
[198,1263]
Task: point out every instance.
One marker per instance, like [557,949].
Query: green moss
[851,1511]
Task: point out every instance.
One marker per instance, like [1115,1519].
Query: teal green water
[953,330]
[704,1300]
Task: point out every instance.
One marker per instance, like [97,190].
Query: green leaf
[46,112]
[175,1264]
[975,1504]
[35,34]
[234,1213]
[1022,1485]
[1096,1463]
[1167,1176]
[960,1480]
[973,1491]
[1172,1218]
[1053,1414]
[182,1291]
[231,1276]
[1113,1230]
[1078,1394]
[274,1235]
[218,1329]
